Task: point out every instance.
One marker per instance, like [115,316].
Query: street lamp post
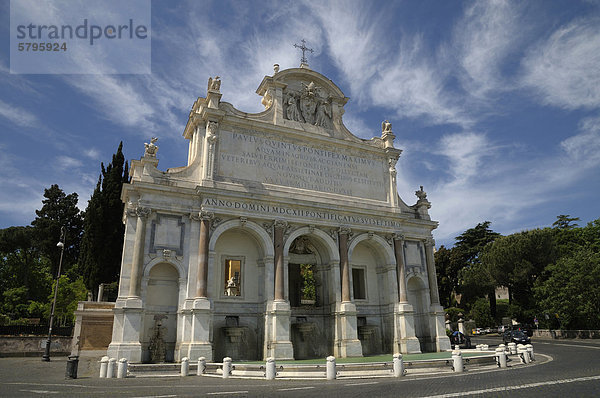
[61,244]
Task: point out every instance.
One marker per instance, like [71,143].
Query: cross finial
[303,61]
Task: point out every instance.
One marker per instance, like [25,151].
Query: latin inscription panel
[249,156]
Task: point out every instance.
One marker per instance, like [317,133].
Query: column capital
[206,215]
[142,212]
[280,224]
[195,216]
[398,236]
[429,241]
[344,230]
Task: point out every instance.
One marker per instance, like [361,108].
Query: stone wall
[17,346]
[93,328]
[566,334]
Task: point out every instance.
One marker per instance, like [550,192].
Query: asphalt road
[573,371]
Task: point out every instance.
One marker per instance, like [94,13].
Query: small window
[233,277]
[358,284]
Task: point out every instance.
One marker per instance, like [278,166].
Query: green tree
[102,242]
[571,292]
[565,221]
[480,313]
[70,293]
[58,210]
[516,261]
[461,267]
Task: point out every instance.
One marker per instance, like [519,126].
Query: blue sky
[496,104]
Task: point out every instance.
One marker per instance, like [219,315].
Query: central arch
[311,259]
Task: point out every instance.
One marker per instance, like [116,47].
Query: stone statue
[292,112]
[276,68]
[151,148]
[422,195]
[323,114]
[308,107]
[386,127]
[214,84]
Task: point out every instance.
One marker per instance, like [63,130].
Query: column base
[346,343]
[277,331]
[438,318]
[127,327]
[131,351]
[405,340]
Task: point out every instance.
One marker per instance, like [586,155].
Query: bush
[481,314]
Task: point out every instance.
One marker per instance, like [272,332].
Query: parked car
[488,330]
[515,336]
[459,339]
[502,329]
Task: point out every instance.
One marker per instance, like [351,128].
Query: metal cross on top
[304,49]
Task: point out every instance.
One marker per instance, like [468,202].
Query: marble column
[202,308]
[278,311]
[346,342]
[405,340]
[202,284]
[278,231]
[437,316]
[431,274]
[400,268]
[138,251]
[345,267]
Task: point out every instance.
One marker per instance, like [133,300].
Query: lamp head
[60,244]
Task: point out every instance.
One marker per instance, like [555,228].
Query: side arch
[261,236]
[377,242]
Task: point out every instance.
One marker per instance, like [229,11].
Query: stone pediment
[304,99]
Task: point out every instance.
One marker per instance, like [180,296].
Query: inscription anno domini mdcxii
[249,156]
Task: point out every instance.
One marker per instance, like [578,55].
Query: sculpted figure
[323,114]
[151,148]
[309,106]
[386,127]
[292,112]
[214,84]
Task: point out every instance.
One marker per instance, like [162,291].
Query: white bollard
[185,366]
[485,347]
[201,366]
[502,346]
[457,359]
[512,348]
[523,355]
[110,370]
[398,365]
[103,366]
[530,352]
[501,355]
[270,373]
[331,373]
[122,369]
[226,367]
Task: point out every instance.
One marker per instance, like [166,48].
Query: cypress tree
[102,242]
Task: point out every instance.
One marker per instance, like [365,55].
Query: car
[515,336]
[488,330]
[459,339]
[502,329]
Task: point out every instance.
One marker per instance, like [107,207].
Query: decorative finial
[214,84]
[303,61]
[276,68]
[386,127]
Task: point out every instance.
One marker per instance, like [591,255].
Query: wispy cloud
[18,116]
[563,69]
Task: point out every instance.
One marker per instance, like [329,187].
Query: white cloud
[487,33]
[583,149]
[564,68]
[18,116]
[67,162]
